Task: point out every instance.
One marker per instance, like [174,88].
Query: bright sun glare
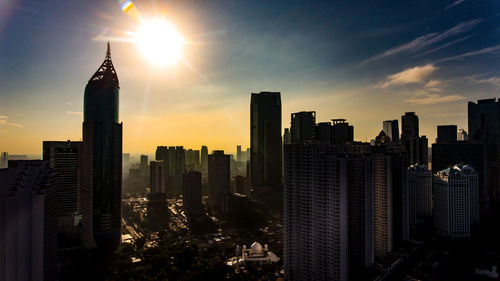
[159,42]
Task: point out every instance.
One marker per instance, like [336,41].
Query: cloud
[443,46]
[417,74]
[489,50]
[425,40]
[426,98]
[434,85]
[458,2]
[68,102]
[491,80]
[74,112]
[3,121]
[3,117]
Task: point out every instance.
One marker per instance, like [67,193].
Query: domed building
[256,254]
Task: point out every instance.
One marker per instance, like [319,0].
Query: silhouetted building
[456,204]
[101,183]
[196,159]
[161,153]
[242,185]
[235,203]
[191,192]
[423,151]
[158,176]
[462,135]
[218,178]
[204,158]
[420,193]
[323,132]
[484,127]
[28,221]
[238,153]
[265,140]
[63,157]
[391,129]
[4,158]
[445,155]
[341,131]
[446,133]
[410,137]
[144,165]
[302,126]
[287,137]
[315,213]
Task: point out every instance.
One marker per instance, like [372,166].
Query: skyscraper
[191,191]
[158,176]
[265,141]
[144,166]
[204,158]
[456,204]
[342,131]
[28,221]
[101,184]
[420,193]
[391,129]
[302,126]
[446,133]
[63,157]
[410,136]
[315,213]
[4,159]
[218,177]
[238,153]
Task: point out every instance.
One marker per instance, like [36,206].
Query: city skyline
[427,58]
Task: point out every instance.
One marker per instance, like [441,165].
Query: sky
[366,61]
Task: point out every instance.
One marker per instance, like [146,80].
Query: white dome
[256,248]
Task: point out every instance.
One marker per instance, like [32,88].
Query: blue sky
[366,61]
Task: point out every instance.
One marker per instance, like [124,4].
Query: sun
[159,42]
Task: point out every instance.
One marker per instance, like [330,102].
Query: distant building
[341,131]
[420,193]
[4,159]
[323,132]
[144,166]
[391,129]
[242,185]
[196,159]
[204,158]
[101,180]
[158,176]
[287,138]
[28,221]
[456,204]
[446,133]
[235,202]
[64,158]
[238,153]
[265,141]
[302,126]
[175,160]
[256,254]
[191,192]
[410,137]
[315,213]
[462,135]
[218,178]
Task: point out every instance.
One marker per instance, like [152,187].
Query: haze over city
[361,61]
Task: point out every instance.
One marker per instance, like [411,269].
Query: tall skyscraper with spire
[101,185]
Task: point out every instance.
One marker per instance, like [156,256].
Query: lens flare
[159,42]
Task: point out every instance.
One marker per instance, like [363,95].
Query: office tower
[265,141]
[101,184]
[63,157]
[196,159]
[390,197]
[420,193]
[391,129]
[423,150]
[484,127]
[144,165]
[28,221]
[410,137]
[342,131]
[4,159]
[473,153]
[446,133]
[158,176]
[218,177]
[287,137]
[315,213]
[191,191]
[462,135]
[204,158]
[456,204]
[238,153]
[302,126]
[360,212]
[242,185]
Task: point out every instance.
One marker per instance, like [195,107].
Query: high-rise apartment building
[391,129]
[64,158]
[239,155]
[420,193]
[158,176]
[28,221]
[302,126]
[144,166]
[218,178]
[456,204]
[410,136]
[191,191]
[315,213]
[204,158]
[341,131]
[265,140]
[101,181]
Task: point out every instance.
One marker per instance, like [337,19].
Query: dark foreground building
[101,184]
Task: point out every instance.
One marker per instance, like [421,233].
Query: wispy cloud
[4,121]
[433,85]
[491,80]
[458,2]
[74,112]
[425,40]
[489,50]
[417,74]
[426,98]
[443,46]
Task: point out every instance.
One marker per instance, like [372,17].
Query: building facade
[420,193]
[158,176]
[219,178]
[191,192]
